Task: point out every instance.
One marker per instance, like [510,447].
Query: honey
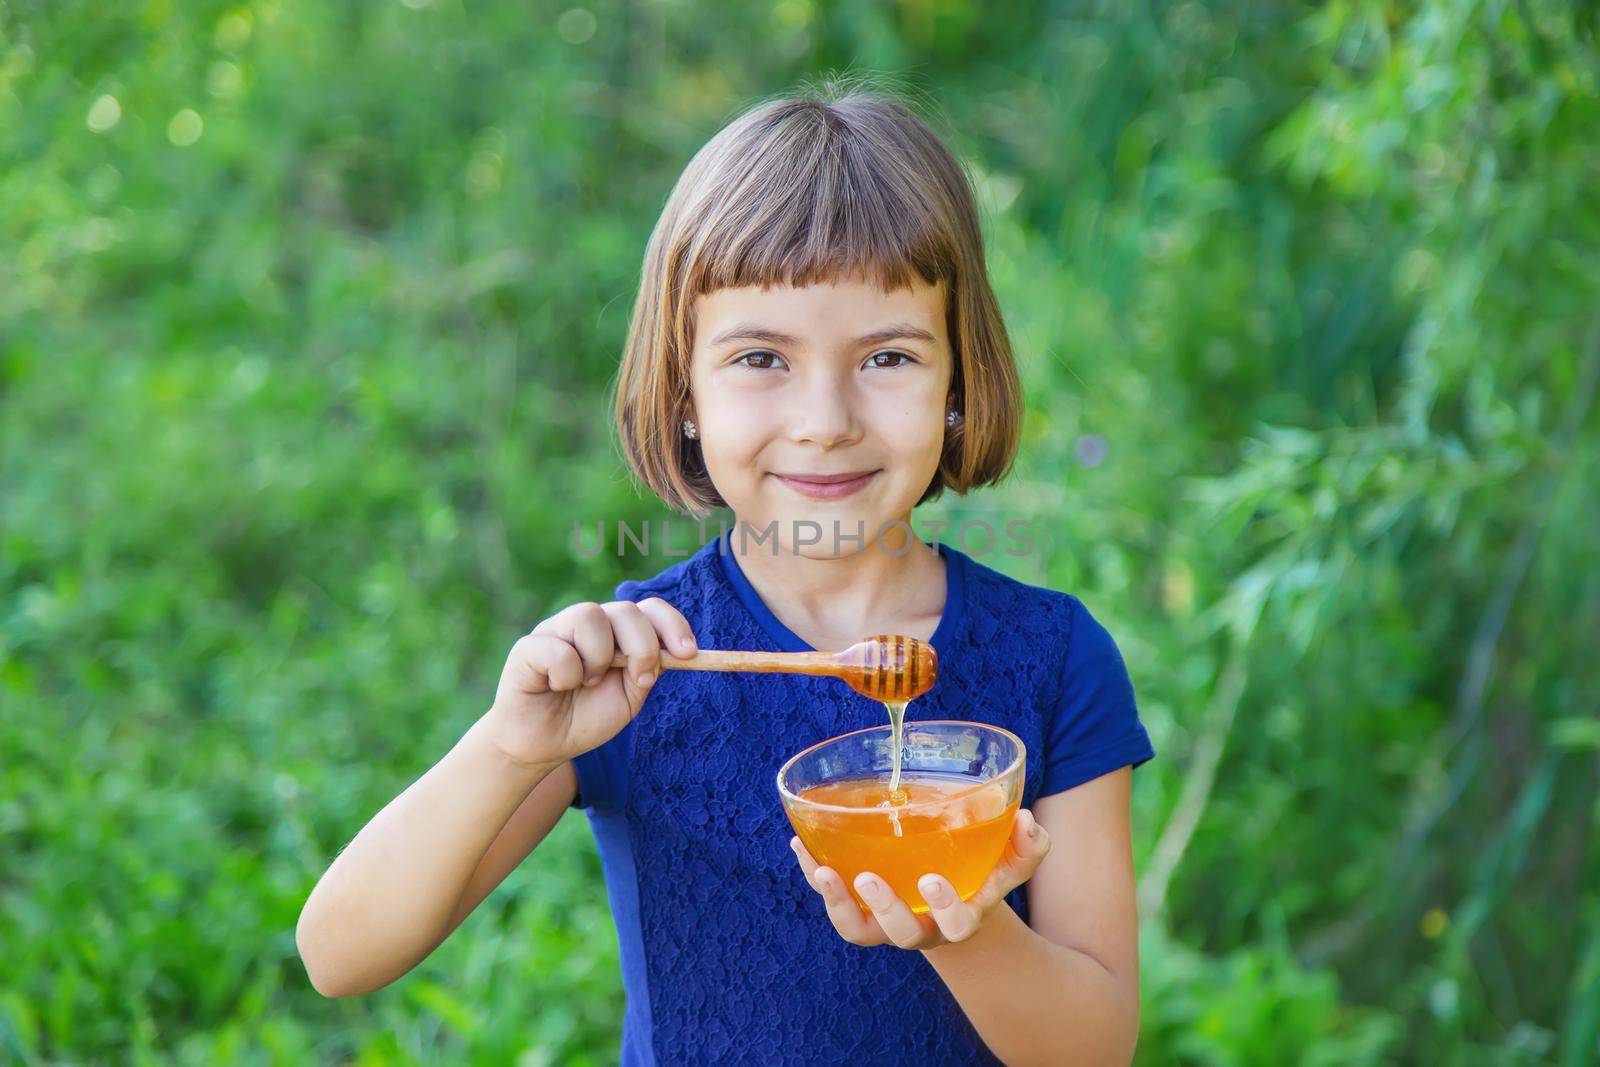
[897,720]
[961,838]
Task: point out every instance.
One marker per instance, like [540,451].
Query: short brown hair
[836,181]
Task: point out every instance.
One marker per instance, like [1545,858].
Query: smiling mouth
[827,486]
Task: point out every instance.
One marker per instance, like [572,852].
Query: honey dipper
[885,667]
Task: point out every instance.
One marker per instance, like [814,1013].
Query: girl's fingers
[636,639]
[845,914]
[1025,850]
[587,628]
[843,911]
[893,914]
[957,920]
[546,664]
[808,865]
[1029,845]
[671,627]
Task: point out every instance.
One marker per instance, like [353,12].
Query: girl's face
[822,381]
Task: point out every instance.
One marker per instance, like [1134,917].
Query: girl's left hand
[950,918]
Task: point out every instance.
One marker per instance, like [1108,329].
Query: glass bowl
[964,781]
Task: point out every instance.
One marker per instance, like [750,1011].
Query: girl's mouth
[827,486]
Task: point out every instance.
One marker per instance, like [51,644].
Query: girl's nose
[825,420]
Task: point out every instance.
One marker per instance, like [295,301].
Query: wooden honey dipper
[885,667]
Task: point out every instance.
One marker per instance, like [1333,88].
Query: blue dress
[727,955]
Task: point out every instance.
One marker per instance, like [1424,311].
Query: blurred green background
[307,312]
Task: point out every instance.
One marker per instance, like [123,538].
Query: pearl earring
[690,430]
[952,418]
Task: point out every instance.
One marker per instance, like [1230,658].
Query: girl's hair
[822,184]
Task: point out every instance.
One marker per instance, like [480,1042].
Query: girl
[816,347]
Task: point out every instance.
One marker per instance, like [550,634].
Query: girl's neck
[833,603]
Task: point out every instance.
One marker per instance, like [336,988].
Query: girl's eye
[767,356]
[900,357]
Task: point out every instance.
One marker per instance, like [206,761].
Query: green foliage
[1256,1005]
[307,311]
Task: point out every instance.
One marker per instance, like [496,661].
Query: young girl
[816,347]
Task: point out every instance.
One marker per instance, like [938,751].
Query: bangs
[811,199]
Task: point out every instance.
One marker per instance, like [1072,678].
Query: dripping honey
[897,733]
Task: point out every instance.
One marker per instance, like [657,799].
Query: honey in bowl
[962,783]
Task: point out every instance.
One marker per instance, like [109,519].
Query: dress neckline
[789,641]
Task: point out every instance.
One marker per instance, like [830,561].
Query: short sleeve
[592,773]
[1092,725]
[602,771]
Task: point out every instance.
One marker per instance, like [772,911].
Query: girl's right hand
[559,696]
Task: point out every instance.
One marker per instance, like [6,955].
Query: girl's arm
[435,851]
[534,819]
[1066,990]
[424,862]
